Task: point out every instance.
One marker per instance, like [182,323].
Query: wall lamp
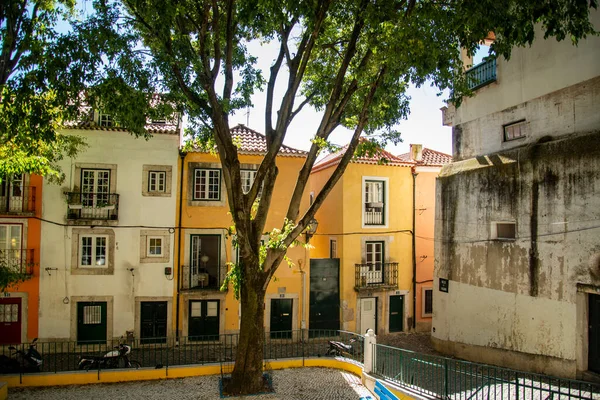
[311,229]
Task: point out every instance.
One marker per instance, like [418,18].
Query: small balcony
[201,278]
[376,276]
[374,214]
[481,74]
[17,200]
[17,260]
[92,206]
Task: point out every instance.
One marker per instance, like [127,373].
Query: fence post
[369,349]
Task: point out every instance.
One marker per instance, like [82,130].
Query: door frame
[138,315]
[283,296]
[185,309]
[24,296]
[109,314]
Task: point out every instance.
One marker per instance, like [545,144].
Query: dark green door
[91,322]
[324,312]
[396,313]
[204,320]
[153,321]
[281,318]
[594,333]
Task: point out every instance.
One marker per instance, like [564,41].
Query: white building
[107,240]
[517,268]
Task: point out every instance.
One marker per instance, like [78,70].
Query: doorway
[91,322]
[368,314]
[10,320]
[281,318]
[324,308]
[153,320]
[594,333]
[204,320]
[396,313]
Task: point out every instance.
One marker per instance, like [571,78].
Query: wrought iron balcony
[200,278]
[17,200]
[481,74]
[17,260]
[376,275]
[92,206]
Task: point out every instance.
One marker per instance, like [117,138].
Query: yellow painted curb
[144,374]
[3,391]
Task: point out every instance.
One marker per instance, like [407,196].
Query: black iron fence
[101,206]
[17,199]
[198,350]
[375,274]
[17,260]
[445,378]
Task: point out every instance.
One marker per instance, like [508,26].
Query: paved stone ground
[299,383]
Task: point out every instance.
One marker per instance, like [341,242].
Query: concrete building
[20,210]
[204,247]
[517,271]
[365,240]
[108,235]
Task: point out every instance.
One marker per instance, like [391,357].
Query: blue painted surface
[383,392]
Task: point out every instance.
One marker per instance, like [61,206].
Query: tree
[351,60]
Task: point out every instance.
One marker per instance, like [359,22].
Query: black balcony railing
[17,200]
[482,74]
[17,260]
[376,274]
[92,206]
[201,278]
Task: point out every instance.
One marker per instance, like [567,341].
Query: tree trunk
[247,376]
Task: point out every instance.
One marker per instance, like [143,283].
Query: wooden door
[10,320]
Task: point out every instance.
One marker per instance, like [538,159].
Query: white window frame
[157,186]
[386,201]
[106,120]
[94,251]
[198,172]
[494,231]
[512,128]
[251,176]
[424,291]
[148,240]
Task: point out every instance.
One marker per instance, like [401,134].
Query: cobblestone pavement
[299,383]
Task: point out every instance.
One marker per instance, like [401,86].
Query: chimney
[416,152]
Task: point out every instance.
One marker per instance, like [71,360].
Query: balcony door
[11,194]
[95,189]
[373,268]
[205,261]
[11,246]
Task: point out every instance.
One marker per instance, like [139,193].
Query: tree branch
[228,52]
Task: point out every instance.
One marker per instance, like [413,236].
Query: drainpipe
[414,248]
[178,282]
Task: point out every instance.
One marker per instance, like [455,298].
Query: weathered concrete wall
[519,295]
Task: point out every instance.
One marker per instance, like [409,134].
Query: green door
[153,322]
[203,323]
[91,322]
[281,318]
[396,313]
[324,311]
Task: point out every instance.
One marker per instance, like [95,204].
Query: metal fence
[445,378]
[482,74]
[198,350]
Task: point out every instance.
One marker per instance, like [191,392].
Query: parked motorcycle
[20,361]
[118,358]
[340,349]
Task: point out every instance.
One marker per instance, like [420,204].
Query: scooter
[117,358]
[20,361]
[340,348]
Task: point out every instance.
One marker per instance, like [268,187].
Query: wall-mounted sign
[443,285]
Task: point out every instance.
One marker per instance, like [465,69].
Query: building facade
[517,278]
[20,229]
[204,246]
[108,236]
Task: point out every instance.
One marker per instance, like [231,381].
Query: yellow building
[203,247]
[365,236]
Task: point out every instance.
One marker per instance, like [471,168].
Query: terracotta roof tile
[154,128]
[430,158]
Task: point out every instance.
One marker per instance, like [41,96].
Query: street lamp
[311,229]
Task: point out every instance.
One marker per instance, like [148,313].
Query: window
[373,267]
[106,120]
[93,251]
[515,131]
[504,230]
[12,186]
[155,247]
[11,252]
[157,181]
[95,187]
[207,184]
[92,315]
[312,198]
[374,195]
[9,313]
[333,248]
[427,302]
[248,177]
[205,262]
